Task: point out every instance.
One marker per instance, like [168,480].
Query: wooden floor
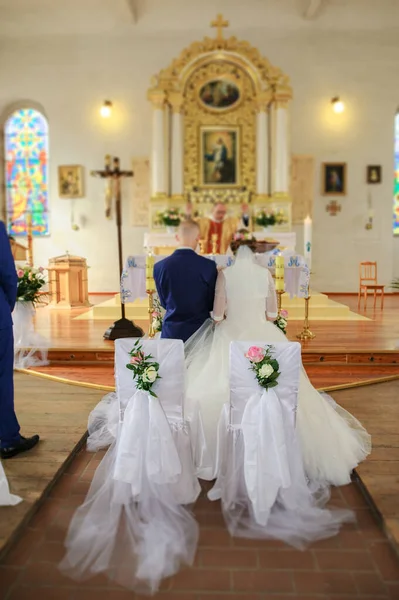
[379,334]
[59,415]
[343,352]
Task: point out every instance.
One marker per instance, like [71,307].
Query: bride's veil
[247,283]
[247,287]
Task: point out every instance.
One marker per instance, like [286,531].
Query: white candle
[307,240]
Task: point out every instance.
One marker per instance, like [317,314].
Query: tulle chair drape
[261,480]
[134,525]
[6,498]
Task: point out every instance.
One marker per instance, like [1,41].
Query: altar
[220,134]
[296,273]
[160,243]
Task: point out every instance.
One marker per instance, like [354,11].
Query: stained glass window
[26,172]
[396,179]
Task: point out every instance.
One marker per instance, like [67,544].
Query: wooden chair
[368,281]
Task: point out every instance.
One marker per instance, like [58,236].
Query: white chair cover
[6,498]
[261,480]
[133,525]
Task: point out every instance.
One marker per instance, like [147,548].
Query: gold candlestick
[279,295]
[151,332]
[202,245]
[306,334]
[214,240]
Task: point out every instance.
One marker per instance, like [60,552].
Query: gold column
[176,100]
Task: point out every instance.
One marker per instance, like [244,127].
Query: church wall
[72,76]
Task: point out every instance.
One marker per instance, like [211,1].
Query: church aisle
[358,563]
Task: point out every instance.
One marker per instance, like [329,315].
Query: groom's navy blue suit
[186,288]
[9,427]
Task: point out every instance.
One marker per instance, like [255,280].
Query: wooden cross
[333,208]
[123,327]
[219,24]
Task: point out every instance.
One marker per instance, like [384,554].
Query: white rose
[283,322]
[156,324]
[266,370]
[150,375]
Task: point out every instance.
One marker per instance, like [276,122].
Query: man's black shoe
[23,445]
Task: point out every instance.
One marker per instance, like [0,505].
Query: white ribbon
[266,465]
[146,443]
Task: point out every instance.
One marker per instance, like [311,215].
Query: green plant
[265,219]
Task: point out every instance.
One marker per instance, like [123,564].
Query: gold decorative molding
[263,100]
[238,52]
[157,98]
[261,199]
[281,197]
[176,101]
[177,199]
[261,87]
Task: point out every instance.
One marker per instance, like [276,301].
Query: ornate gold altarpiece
[254,119]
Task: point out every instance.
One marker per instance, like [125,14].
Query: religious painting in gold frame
[70,181]
[220,156]
[333,179]
[220,95]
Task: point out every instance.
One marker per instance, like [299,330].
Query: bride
[332,441]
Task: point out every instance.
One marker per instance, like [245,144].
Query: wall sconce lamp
[338,105]
[106,109]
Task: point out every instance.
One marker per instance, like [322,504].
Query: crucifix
[219,24]
[123,328]
[333,208]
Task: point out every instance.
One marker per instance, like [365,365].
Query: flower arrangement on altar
[265,367]
[157,319]
[145,369]
[242,234]
[282,321]
[265,218]
[30,282]
[171,217]
[270,218]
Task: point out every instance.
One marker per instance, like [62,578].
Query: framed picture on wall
[219,156]
[70,181]
[333,179]
[374,174]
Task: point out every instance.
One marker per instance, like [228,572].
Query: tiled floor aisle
[359,563]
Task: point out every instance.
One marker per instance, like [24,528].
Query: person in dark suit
[185,284]
[11,442]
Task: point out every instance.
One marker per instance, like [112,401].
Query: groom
[186,285]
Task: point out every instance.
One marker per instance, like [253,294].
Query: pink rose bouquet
[255,354]
[265,367]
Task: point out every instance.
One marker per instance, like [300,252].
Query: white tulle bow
[266,465]
[146,445]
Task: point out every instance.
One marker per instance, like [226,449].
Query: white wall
[71,76]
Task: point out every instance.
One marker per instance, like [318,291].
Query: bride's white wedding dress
[332,441]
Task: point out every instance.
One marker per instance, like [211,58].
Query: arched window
[26,172]
[396,179]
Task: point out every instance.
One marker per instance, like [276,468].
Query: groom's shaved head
[188,234]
